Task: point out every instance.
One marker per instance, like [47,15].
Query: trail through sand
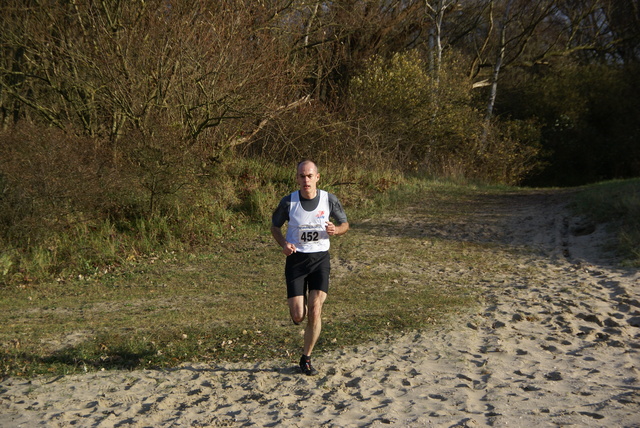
[554,341]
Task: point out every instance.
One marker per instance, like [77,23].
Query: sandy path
[554,342]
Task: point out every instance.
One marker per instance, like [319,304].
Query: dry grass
[413,262]
[224,303]
[616,202]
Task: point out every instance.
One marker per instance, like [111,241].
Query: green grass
[223,301]
[226,300]
[615,202]
[225,305]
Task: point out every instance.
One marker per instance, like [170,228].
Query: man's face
[307,178]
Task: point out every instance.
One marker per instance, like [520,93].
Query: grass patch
[226,301]
[615,202]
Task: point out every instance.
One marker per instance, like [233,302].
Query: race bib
[310,233]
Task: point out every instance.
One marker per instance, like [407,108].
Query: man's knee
[315,304]
[297,309]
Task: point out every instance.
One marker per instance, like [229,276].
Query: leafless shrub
[50,180]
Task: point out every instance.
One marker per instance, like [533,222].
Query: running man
[306,246]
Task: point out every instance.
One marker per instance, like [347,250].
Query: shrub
[429,122]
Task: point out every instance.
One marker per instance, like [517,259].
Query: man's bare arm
[334,230]
[287,247]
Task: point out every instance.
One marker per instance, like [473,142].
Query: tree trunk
[493,91]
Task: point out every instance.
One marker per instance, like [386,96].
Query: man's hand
[288,249]
[333,230]
[330,228]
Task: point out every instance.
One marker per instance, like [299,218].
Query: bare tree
[502,47]
[110,67]
[436,11]
[624,21]
[517,26]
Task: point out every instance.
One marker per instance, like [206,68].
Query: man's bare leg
[297,308]
[314,321]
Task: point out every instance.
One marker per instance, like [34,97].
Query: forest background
[133,127]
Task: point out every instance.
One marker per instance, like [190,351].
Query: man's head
[307,177]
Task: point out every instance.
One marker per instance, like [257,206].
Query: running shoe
[306,367]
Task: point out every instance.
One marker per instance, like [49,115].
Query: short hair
[307,161]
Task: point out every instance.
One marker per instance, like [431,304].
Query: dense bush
[429,121]
[589,117]
[70,206]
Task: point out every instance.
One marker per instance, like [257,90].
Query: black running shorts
[307,271]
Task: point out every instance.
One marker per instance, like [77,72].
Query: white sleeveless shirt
[307,229]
